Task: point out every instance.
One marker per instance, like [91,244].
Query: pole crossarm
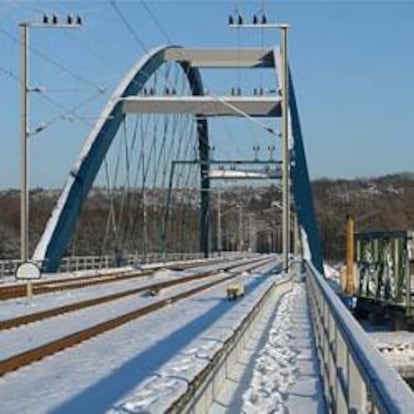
[223,58]
[204,106]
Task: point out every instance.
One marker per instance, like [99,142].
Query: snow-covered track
[68,283]
[76,306]
[27,357]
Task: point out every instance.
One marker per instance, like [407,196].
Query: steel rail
[48,286]
[72,307]
[35,354]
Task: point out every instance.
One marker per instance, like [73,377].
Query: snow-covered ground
[278,370]
[285,376]
[397,347]
[120,369]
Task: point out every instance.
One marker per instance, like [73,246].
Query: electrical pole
[219,238]
[240,227]
[47,22]
[285,146]
[252,233]
[24,210]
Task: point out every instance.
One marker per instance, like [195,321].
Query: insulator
[231,20]
[240,20]
[54,19]
[255,19]
[232,92]
[261,91]
[79,20]
[264,20]
[45,19]
[152,91]
[254,91]
[144,91]
[69,19]
[238,91]
[174,92]
[167,90]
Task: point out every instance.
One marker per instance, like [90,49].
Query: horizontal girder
[223,58]
[205,106]
[245,174]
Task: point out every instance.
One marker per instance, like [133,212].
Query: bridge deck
[278,370]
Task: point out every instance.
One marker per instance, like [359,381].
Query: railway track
[72,307]
[48,286]
[39,352]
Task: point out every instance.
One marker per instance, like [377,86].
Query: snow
[38,333]
[119,370]
[397,348]
[18,307]
[285,376]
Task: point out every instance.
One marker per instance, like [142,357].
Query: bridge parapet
[356,377]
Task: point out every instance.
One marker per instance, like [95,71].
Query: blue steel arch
[60,226]
[299,175]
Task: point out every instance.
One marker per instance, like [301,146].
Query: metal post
[298,242]
[24,202]
[350,285]
[144,224]
[219,242]
[285,151]
[240,227]
[251,231]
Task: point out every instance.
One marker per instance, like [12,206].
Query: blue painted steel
[60,227]
[301,186]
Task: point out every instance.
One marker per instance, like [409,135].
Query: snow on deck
[278,371]
[117,370]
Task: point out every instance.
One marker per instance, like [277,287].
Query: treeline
[384,203]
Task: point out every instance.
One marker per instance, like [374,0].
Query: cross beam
[245,174]
[205,106]
[222,58]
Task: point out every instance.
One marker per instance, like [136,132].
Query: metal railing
[77,263]
[356,378]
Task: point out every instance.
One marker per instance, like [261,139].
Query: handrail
[75,263]
[355,375]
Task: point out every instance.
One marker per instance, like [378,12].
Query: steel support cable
[180,174]
[133,215]
[140,167]
[124,123]
[111,222]
[168,162]
[168,154]
[134,211]
[131,187]
[125,185]
[186,205]
[111,189]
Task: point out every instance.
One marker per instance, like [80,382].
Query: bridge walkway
[278,368]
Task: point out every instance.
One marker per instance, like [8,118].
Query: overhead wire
[127,24]
[53,61]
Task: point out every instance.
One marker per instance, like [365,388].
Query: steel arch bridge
[131,96]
